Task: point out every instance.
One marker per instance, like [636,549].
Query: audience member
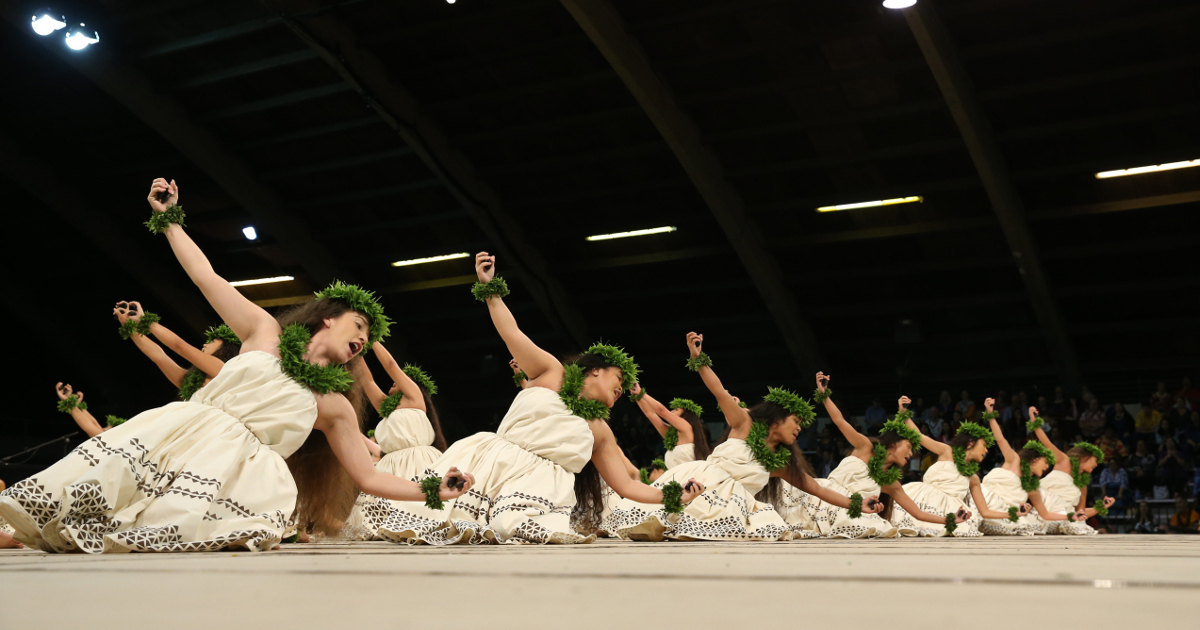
[1189,393]
[1092,420]
[1185,520]
[1147,421]
[1161,399]
[945,404]
[935,422]
[1165,432]
[1115,483]
[1111,446]
[1140,467]
[875,415]
[1172,470]
[966,406]
[1146,523]
[1121,422]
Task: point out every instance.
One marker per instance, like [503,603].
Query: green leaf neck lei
[671,438]
[115,421]
[965,468]
[1079,478]
[879,471]
[1029,481]
[644,475]
[757,441]
[192,381]
[389,404]
[293,343]
[572,385]
[520,377]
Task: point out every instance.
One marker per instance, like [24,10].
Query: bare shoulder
[333,409]
[601,432]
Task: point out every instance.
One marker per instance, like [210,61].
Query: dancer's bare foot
[7,542]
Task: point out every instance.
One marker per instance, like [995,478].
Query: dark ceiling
[353,134]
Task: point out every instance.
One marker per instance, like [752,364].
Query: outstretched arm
[540,366]
[85,420]
[1010,456]
[657,412]
[358,367]
[207,363]
[648,411]
[1035,498]
[941,449]
[610,463]
[254,326]
[1061,461]
[858,441]
[739,421]
[981,503]
[170,369]
[401,382]
[902,499]
[810,485]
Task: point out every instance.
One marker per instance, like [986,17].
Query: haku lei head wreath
[222,332]
[898,426]
[978,432]
[362,301]
[686,405]
[794,404]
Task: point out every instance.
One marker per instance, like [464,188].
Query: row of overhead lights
[46,22]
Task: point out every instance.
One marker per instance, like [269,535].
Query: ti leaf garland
[115,421]
[658,463]
[1013,511]
[432,486]
[1029,481]
[1034,424]
[484,290]
[673,498]
[965,468]
[1099,507]
[638,396]
[70,403]
[572,385]
[389,404]
[899,426]
[671,438]
[686,405]
[879,471]
[820,397]
[222,332]
[160,221]
[978,432]
[1078,477]
[951,525]
[139,327]
[1092,450]
[644,475]
[362,301]
[192,381]
[855,510]
[757,441]
[293,343]
[695,363]
[1042,451]
[520,377]
[795,405]
[988,416]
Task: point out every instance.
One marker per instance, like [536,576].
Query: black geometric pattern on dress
[630,520]
[33,498]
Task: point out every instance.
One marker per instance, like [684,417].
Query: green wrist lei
[988,416]
[965,468]
[520,377]
[585,408]
[686,405]
[222,332]
[795,405]
[293,343]
[114,421]
[371,433]
[432,486]
[192,381]
[671,438]
[855,510]
[1029,482]
[1070,517]
[672,498]
[1012,514]
[638,396]
[879,472]
[70,403]
[140,327]
[951,525]
[743,405]
[658,463]
[645,475]
[1099,507]
[820,397]
[757,441]
[1080,479]
[389,404]
[160,221]
[1042,451]
[291,539]
[484,290]
[695,363]
[1034,424]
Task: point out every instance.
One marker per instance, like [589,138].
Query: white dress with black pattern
[727,510]
[943,490]
[200,475]
[832,521]
[681,454]
[1002,490]
[406,438]
[524,481]
[1059,494]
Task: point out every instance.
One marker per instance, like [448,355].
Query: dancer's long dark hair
[439,440]
[699,434]
[771,414]
[325,494]
[589,495]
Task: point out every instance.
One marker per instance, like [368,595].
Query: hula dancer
[1010,485]
[1064,490]
[220,345]
[684,435]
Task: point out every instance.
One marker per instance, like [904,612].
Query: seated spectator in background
[1111,446]
[1018,410]
[1115,483]
[920,410]
[1121,422]
[1147,421]
[1002,402]
[1189,393]
[1140,467]
[948,430]
[1146,523]
[1161,399]
[1179,415]
[935,422]
[1043,409]
[1092,421]
[1185,520]
[966,406]
[1172,470]
[1190,435]
[1165,432]
[875,415]
[1086,395]
[945,404]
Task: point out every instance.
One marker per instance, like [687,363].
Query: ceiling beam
[973,124]
[137,93]
[369,77]
[604,26]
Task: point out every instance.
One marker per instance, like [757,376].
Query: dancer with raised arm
[1064,490]
[220,345]
[71,402]
[684,435]
[759,452]
[1012,487]
[546,460]
[209,473]
[874,466]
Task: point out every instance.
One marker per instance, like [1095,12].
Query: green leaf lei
[743,405]
[686,405]
[1013,511]
[222,332]
[820,397]
[419,377]
[484,290]
[572,385]
[1092,450]
[1029,482]
[671,438]
[139,327]
[70,403]
[293,343]
[160,221]
[618,358]
[658,463]
[965,468]
[795,405]
[1099,507]
[1034,424]
[432,486]
[672,498]
[638,396]
[695,363]
[114,421]
[519,377]
[1070,517]
[389,404]
[898,426]
[362,301]
[291,539]
[978,432]
[757,441]
[192,381]
[1078,477]
[951,525]
[855,510]
[371,433]
[878,469]
[1042,451]
[644,475]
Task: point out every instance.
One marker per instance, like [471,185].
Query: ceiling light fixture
[250,232]
[45,22]
[246,283]
[871,204]
[898,4]
[421,261]
[80,37]
[609,237]
[1148,169]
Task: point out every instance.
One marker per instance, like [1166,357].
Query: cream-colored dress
[681,454]
[524,481]
[727,510]
[1059,494]
[849,477]
[406,438]
[201,475]
[942,490]
[1002,490]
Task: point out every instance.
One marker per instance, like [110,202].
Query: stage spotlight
[246,283]
[45,22]
[1148,169]
[431,259]
[80,37]
[250,233]
[609,237]
[898,4]
[449,1]
[870,204]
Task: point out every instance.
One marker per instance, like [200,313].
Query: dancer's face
[604,385]
[1039,466]
[977,451]
[787,431]
[343,337]
[900,453]
[655,474]
[1088,464]
[211,347]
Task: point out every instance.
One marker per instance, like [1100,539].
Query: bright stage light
[421,261]
[250,233]
[1148,169]
[246,283]
[449,1]
[609,237]
[898,4]
[870,204]
[80,37]
[45,23]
